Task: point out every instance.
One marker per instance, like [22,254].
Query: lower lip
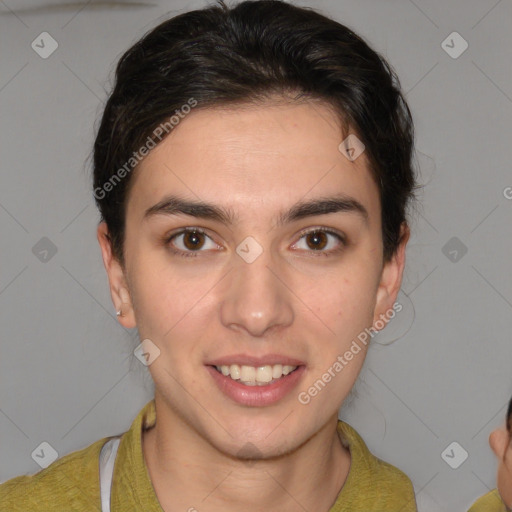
[257,396]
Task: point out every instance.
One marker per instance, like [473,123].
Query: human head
[271,92]
[501,443]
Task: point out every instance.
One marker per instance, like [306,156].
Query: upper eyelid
[330,231]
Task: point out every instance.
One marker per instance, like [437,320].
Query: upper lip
[248,360]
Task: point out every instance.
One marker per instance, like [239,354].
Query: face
[501,444]
[264,283]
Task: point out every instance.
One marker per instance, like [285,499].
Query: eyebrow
[174,205]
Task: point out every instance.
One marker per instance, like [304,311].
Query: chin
[255,447]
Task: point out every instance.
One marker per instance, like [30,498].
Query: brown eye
[193,240]
[190,242]
[316,240]
[321,241]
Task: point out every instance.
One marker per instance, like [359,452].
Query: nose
[256,298]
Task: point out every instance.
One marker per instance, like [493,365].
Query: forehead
[254,157]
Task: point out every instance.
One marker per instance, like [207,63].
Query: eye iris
[194,237]
[315,236]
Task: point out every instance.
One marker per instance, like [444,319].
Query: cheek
[353,303]
[345,307]
[163,300]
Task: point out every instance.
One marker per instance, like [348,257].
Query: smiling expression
[254,257]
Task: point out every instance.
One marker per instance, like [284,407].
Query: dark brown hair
[245,54]
[509,417]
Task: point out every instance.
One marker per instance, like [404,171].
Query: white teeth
[248,373]
[233,371]
[287,369]
[264,374]
[277,371]
[255,376]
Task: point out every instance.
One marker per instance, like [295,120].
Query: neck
[187,473]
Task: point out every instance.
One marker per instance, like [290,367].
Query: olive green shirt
[490,502]
[71,483]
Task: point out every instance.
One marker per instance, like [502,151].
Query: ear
[499,440]
[118,285]
[391,277]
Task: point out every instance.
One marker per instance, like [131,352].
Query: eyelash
[188,254]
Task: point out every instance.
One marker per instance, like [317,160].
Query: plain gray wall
[67,371]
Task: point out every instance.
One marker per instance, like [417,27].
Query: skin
[501,444]
[257,160]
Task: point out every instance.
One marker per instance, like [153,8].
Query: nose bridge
[255,299]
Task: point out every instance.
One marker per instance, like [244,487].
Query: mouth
[256,382]
[256,375]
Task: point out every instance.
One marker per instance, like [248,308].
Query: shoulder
[69,483]
[490,502]
[369,474]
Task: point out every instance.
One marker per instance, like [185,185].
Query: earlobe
[116,277]
[125,306]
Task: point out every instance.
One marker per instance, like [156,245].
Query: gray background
[67,372]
